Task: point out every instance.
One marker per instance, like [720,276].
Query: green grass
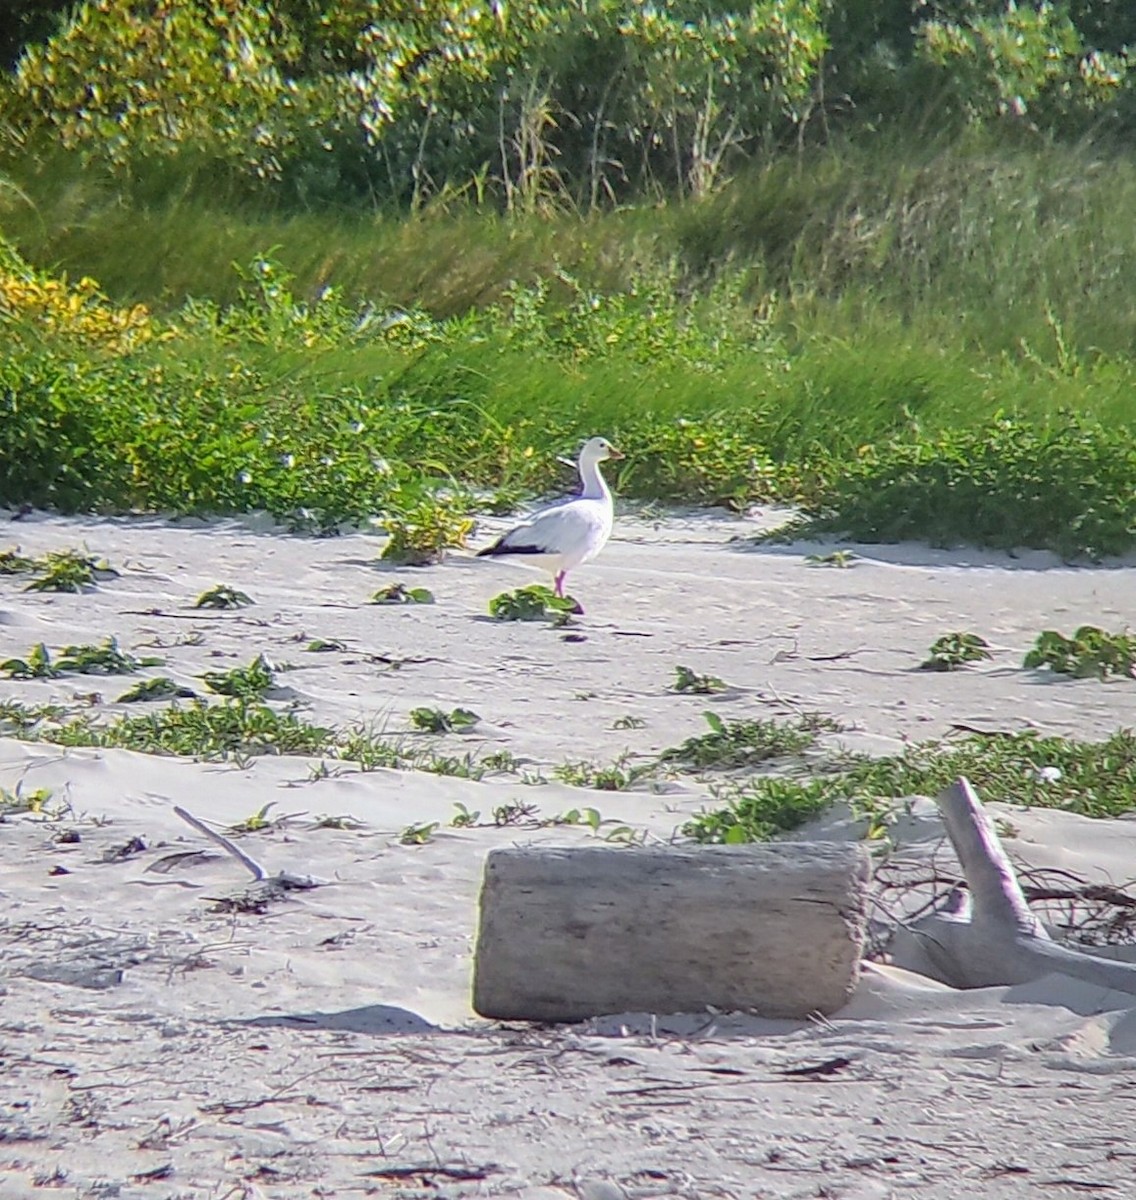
[733,744]
[911,341]
[1097,779]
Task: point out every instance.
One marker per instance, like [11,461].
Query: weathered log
[567,933]
[992,938]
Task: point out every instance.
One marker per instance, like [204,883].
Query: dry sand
[152,1047]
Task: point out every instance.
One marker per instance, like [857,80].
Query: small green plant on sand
[628,722]
[234,729]
[399,593]
[954,650]
[838,558]
[501,760]
[614,777]
[258,821]
[732,744]
[105,659]
[12,562]
[418,835]
[221,595]
[19,801]
[535,602]
[69,571]
[1090,652]
[463,818]
[514,812]
[687,680]
[149,691]
[325,646]
[245,683]
[21,719]
[37,665]
[591,817]
[421,535]
[435,720]
[345,821]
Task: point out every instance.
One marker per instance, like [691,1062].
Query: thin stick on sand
[284,879]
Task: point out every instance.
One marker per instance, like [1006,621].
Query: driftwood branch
[994,939]
[282,879]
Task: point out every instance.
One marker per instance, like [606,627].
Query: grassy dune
[914,342]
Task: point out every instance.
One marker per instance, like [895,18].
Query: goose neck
[595,488]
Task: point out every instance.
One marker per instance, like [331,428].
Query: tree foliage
[561,102]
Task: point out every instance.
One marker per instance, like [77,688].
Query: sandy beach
[154,1045]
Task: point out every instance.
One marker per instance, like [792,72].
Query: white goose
[567,534]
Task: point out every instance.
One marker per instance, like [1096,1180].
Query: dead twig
[282,879]
[426,1171]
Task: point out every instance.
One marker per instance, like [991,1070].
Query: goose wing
[563,529]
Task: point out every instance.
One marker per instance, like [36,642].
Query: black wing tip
[500,548]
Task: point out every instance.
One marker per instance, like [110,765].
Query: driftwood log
[567,933]
[988,936]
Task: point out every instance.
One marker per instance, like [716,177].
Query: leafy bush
[1089,652]
[1065,487]
[954,650]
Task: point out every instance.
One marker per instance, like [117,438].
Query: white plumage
[567,534]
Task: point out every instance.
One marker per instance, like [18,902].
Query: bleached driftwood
[285,880]
[567,933]
[989,936]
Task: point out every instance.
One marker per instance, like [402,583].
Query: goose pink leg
[558,589]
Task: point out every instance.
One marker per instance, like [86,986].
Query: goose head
[597,450]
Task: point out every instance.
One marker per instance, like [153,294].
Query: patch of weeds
[463,766]
[624,835]
[1090,652]
[514,812]
[69,571]
[463,818]
[12,562]
[418,835]
[106,659]
[615,777]
[258,821]
[223,596]
[325,821]
[838,558]
[243,683]
[232,729]
[536,602]
[501,760]
[370,751]
[628,722]
[732,744]
[1063,485]
[1097,779]
[19,801]
[37,665]
[149,691]
[420,536]
[434,720]
[22,718]
[954,650]
[687,680]
[580,816]
[324,646]
[399,593]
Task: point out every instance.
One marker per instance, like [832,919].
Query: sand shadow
[376,1019]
